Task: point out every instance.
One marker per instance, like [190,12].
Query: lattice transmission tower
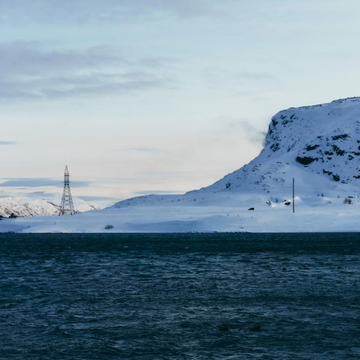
[67,205]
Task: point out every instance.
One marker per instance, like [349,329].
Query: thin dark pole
[293,196]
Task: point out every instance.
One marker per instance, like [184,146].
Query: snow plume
[243,128]
[252,133]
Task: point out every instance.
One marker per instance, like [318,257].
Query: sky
[159,96]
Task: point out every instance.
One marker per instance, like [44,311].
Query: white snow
[28,206]
[319,146]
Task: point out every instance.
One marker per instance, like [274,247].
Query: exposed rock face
[325,138]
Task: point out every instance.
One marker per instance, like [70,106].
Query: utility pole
[67,205]
[293,196]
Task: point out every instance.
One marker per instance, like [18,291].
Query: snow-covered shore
[317,214]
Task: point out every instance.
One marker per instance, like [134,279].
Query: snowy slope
[319,140]
[318,145]
[29,207]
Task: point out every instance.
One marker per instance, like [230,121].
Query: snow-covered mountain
[318,146]
[29,207]
[320,140]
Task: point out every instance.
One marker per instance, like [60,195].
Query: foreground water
[240,296]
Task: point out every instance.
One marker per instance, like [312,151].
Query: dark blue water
[240,296]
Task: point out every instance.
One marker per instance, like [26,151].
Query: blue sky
[140,96]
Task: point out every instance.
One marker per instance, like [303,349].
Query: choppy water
[197,296]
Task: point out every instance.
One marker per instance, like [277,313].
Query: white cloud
[104,11]
[2,142]
[40,182]
[30,70]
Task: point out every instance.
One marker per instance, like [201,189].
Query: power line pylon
[67,205]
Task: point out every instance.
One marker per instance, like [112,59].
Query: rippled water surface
[239,296]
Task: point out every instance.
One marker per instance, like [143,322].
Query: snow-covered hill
[318,146]
[320,140]
[29,207]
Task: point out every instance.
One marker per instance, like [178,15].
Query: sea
[179,296]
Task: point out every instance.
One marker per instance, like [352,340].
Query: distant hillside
[25,207]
